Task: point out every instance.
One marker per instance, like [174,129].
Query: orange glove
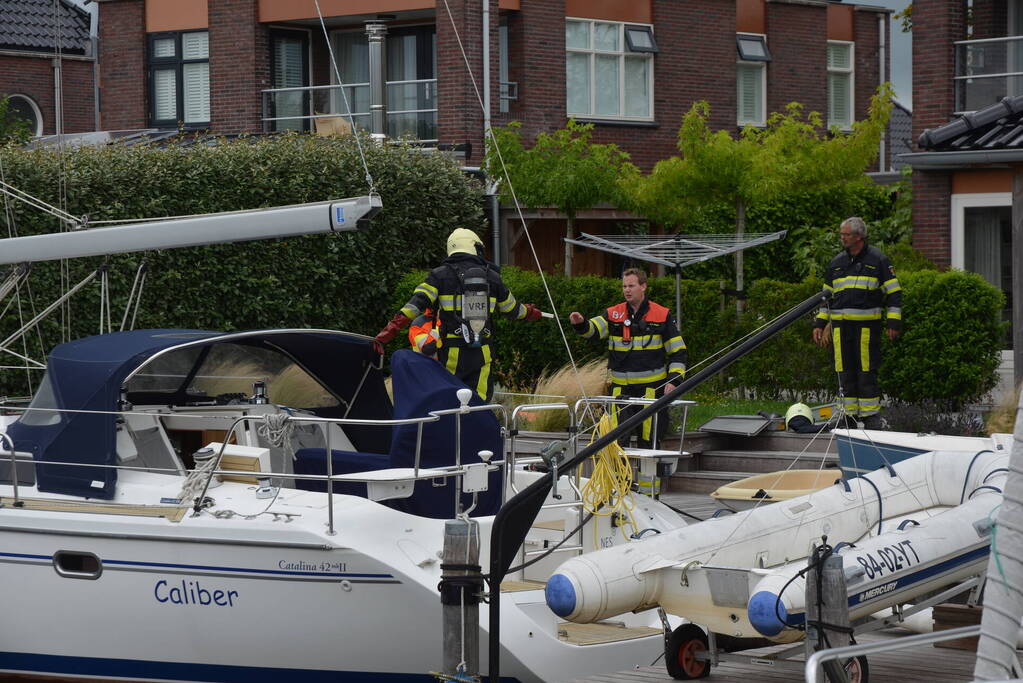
[532,313]
[390,331]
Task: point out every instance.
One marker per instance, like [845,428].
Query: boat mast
[340,215]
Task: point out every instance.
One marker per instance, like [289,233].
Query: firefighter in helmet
[466,290]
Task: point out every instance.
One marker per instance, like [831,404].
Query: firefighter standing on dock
[467,290]
[866,295]
[646,354]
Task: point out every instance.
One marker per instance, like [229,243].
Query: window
[609,69]
[751,79]
[24,107]
[289,68]
[981,230]
[411,80]
[179,79]
[840,84]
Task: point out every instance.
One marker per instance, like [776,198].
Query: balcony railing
[986,71]
[411,107]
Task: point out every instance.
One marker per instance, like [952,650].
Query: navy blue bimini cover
[420,385]
[87,374]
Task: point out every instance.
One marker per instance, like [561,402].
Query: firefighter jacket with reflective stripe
[644,346]
[863,288]
[442,291]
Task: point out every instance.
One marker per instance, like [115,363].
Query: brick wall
[931,207]
[936,25]
[681,73]
[239,66]
[122,55]
[459,116]
[33,77]
[868,65]
[798,71]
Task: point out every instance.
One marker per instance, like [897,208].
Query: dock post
[461,586]
[827,609]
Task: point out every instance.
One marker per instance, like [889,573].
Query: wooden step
[702,481]
[762,461]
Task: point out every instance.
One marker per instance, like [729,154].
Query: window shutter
[165,95]
[196,86]
[839,100]
[838,56]
[195,45]
[288,73]
[750,93]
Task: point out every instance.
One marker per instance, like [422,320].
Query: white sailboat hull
[236,599]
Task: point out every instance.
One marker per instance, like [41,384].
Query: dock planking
[920,664]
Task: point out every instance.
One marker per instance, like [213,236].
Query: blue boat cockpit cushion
[421,385]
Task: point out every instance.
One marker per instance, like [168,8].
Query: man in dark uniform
[467,291]
[865,295]
[646,354]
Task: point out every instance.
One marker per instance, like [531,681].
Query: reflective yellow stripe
[649,422]
[892,286]
[452,363]
[856,282]
[506,305]
[637,343]
[637,378]
[481,385]
[429,290]
[615,391]
[836,339]
[865,349]
[674,344]
[895,314]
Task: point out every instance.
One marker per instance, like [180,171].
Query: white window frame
[760,64]
[852,84]
[622,52]
[38,129]
[957,224]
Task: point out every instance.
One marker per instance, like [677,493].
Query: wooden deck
[921,664]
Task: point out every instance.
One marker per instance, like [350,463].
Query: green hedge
[342,282]
[949,350]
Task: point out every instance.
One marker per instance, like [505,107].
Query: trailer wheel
[684,644]
[857,670]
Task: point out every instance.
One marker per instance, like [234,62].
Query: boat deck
[921,664]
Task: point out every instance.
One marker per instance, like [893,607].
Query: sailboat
[186,504]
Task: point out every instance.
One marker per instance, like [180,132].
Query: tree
[794,151]
[562,169]
[13,129]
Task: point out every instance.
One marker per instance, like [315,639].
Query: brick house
[631,67]
[966,157]
[47,63]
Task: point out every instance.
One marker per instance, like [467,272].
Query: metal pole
[827,607]
[376,34]
[461,585]
[678,295]
[1017,279]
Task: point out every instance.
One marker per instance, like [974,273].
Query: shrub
[334,281]
[948,352]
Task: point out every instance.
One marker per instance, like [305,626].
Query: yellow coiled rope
[607,491]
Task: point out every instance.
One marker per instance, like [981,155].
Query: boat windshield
[227,371]
[43,410]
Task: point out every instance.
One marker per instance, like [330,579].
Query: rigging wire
[344,96]
[489,133]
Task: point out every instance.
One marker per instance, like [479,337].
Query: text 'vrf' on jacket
[442,291]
